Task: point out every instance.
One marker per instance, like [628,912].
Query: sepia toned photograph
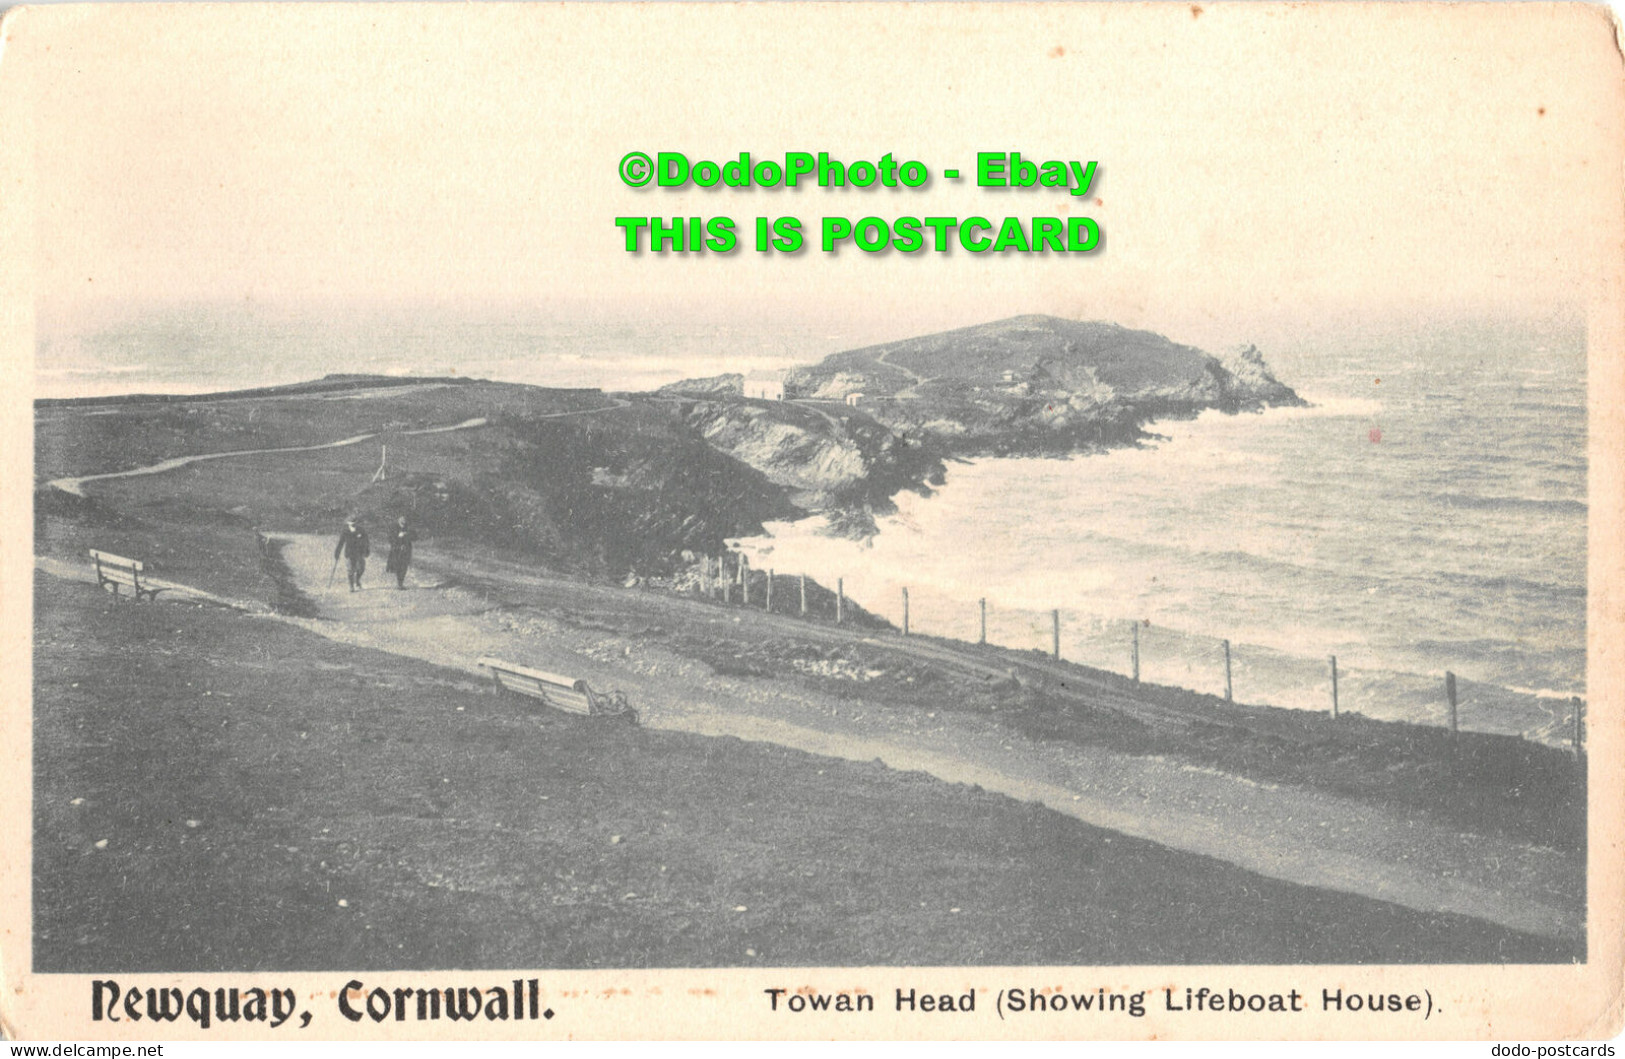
[1124,493]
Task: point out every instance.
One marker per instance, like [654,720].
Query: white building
[767,385]
[853,399]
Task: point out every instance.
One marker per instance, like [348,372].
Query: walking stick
[333,571]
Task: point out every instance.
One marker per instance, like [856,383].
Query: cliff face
[1251,379]
[836,461]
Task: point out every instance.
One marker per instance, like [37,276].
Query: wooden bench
[561,692]
[116,572]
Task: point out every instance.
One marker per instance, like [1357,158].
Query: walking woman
[400,551]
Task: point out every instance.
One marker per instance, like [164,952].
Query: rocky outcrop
[844,464]
[731,384]
[1038,384]
[861,425]
[1251,380]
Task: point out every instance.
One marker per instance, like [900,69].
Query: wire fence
[1142,651]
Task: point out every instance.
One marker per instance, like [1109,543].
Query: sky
[1258,164]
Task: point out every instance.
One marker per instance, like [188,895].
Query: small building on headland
[852,399]
[766,385]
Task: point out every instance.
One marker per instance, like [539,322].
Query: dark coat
[353,544]
[400,550]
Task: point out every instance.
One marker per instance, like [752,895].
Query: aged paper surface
[1167,614]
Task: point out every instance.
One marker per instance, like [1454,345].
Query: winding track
[76,485]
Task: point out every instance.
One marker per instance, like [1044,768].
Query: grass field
[215,791]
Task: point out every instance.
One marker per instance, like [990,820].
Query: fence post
[1334,687]
[1136,658]
[769,605]
[840,599]
[1450,693]
[1228,696]
[1579,733]
[983,640]
[1055,635]
[905,611]
[803,595]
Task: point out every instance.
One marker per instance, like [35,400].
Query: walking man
[353,545]
[400,551]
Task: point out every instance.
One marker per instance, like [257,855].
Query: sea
[1426,514]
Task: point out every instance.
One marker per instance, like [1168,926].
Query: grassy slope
[1126,359]
[527,481]
[86,440]
[248,776]
[1487,784]
[1478,783]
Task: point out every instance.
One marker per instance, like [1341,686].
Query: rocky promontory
[1037,385]
[848,433]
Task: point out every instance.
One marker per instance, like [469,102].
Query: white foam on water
[1295,533]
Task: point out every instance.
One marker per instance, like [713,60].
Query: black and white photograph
[993,520]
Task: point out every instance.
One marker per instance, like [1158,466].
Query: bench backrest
[110,567]
[565,693]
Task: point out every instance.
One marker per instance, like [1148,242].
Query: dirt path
[1297,835]
[76,486]
[811,405]
[172,590]
[910,372]
[1061,680]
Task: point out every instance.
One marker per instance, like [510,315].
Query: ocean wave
[1334,406]
[1547,693]
[1494,501]
[1496,663]
[1549,406]
[1491,466]
[119,369]
[1507,583]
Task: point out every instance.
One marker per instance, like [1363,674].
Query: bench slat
[561,692]
[535,674]
[117,561]
[551,692]
[116,570]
